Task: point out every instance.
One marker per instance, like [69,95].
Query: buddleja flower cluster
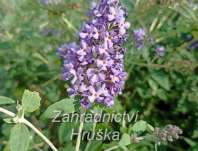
[96,66]
[167,134]
[140,37]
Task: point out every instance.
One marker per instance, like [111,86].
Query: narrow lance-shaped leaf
[5,100]
[162,79]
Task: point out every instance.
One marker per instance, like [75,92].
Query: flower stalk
[80,131]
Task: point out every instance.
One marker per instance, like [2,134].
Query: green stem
[112,148]
[80,131]
[69,24]
[27,123]
[93,132]
[156,146]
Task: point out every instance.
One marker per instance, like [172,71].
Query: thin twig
[2,110]
[26,122]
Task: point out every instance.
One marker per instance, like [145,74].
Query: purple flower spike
[160,51]
[139,36]
[96,66]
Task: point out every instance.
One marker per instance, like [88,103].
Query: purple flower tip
[139,37]
[160,51]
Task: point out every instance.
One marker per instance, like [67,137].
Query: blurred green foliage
[163,89]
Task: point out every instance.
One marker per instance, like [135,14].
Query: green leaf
[19,138]
[153,85]
[150,128]
[8,120]
[162,79]
[65,132]
[125,140]
[63,106]
[30,101]
[5,100]
[190,141]
[161,93]
[94,146]
[139,126]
